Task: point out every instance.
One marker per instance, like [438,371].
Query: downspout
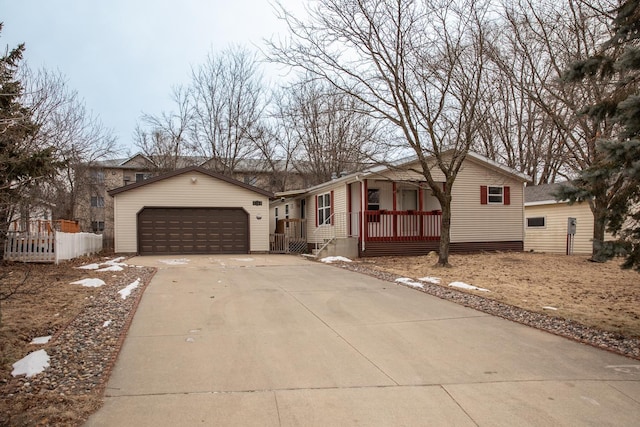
[362,244]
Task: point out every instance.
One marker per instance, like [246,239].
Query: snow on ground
[89,267]
[331,259]
[106,323]
[463,285]
[243,259]
[125,292]
[429,279]
[41,340]
[409,282]
[32,364]
[180,261]
[548,307]
[111,268]
[89,283]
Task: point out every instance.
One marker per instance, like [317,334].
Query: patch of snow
[331,259]
[89,267]
[180,261]
[32,364]
[106,323]
[190,340]
[115,260]
[244,259]
[548,307]
[463,285]
[409,282]
[41,340]
[89,283]
[111,268]
[429,279]
[124,293]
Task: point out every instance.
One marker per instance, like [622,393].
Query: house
[190,211]
[392,211]
[94,210]
[546,225]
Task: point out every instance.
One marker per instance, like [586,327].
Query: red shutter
[507,195]
[483,194]
[331,204]
[316,210]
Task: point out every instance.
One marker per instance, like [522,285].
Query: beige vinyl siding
[553,237]
[474,222]
[339,226]
[180,191]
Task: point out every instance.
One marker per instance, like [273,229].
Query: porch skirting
[414,248]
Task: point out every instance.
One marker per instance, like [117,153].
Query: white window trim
[326,209]
[536,227]
[489,187]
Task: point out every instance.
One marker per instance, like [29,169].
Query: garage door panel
[193,231]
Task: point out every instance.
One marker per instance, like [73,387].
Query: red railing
[394,226]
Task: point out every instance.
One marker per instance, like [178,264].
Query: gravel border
[83,353]
[613,342]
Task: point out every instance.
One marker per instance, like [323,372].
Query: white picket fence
[49,247]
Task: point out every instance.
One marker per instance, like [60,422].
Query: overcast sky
[123,56]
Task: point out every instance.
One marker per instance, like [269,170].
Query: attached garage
[191,211]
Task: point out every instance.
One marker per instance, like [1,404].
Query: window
[495,195]
[140,177]
[97,176]
[536,222]
[97,226]
[251,180]
[97,202]
[324,209]
[373,199]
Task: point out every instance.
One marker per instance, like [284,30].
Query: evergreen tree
[22,162]
[617,170]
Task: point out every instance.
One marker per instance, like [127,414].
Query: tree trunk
[599,226]
[445,232]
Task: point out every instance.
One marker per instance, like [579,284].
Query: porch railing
[401,225]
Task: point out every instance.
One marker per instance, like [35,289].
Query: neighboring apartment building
[94,210]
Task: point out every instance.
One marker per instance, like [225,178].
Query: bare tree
[164,138]
[77,137]
[416,64]
[326,126]
[548,37]
[228,102]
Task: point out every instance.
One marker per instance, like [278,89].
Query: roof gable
[177,172]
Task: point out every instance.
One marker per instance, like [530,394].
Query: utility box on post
[571,231]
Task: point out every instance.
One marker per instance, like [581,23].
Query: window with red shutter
[483,194]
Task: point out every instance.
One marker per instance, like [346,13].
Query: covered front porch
[394,217]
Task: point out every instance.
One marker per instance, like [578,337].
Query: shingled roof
[541,193]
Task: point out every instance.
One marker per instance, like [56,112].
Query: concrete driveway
[282,341]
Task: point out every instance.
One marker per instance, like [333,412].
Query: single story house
[547,222]
[191,211]
[392,211]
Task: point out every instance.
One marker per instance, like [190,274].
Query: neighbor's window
[251,180]
[142,176]
[97,226]
[97,175]
[373,199]
[536,222]
[97,202]
[324,209]
[495,195]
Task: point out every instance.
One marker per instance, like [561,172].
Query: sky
[124,56]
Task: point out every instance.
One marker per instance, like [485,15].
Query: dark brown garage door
[193,231]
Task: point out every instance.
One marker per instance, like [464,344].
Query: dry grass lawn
[599,295]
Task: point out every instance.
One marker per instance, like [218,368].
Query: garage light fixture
[194,179]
